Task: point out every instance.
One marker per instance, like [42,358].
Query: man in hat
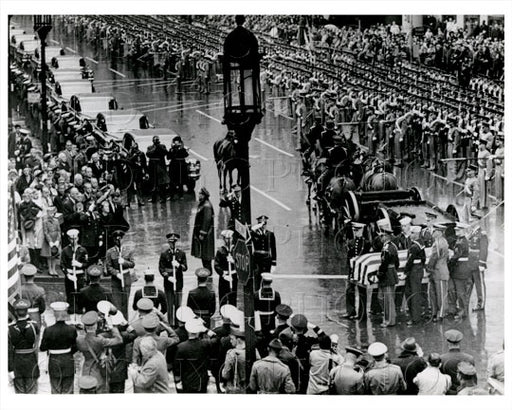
[22,342]
[283,313]
[233,372]
[269,375]
[477,260]
[152,376]
[428,230]
[466,374]
[158,174]
[178,172]
[264,254]
[451,359]
[223,333]
[92,294]
[88,385]
[190,365]
[265,302]
[224,265]
[346,378]
[73,262]
[431,381]
[13,138]
[383,378]
[288,357]
[152,328]
[460,273]
[410,363]
[59,340]
[183,314]
[118,262]
[33,293]
[203,235]
[484,172]
[152,292]
[144,307]
[234,202]
[326,140]
[93,346]
[201,299]
[171,265]
[414,271]
[137,160]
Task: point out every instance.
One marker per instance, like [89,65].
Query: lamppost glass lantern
[241,69]
[42,25]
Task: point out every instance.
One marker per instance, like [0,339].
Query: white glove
[226,275]
[481,268]
[272,269]
[11,377]
[71,277]
[119,276]
[176,264]
[179,386]
[230,259]
[76,264]
[311,325]
[121,260]
[171,279]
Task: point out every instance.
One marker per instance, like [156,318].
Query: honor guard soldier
[414,272]
[478,250]
[118,262]
[59,340]
[283,313]
[388,277]
[73,262]
[201,299]
[265,302]
[171,265]
[451,359]
[426,233]
[150,291]
[347,379]
[357,246]
[224,265]
[22,348]
[264,255]
[234,203]
[87,385]
[92,294]
[33,293]
[460,271]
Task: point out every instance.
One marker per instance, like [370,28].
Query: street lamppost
[42,26]
[242,111]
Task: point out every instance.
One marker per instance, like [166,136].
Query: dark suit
[91,295]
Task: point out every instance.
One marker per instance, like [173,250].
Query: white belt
[76,272]
[25,351]
[463,259]
[266,313]
[474,250]
[59,351]
[33,310]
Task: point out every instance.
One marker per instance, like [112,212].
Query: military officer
[478,250]
[118,262]
[451,359]
[414,272]
[265,256]
[171,265]
[183,314]
[283,313]
[388,278]
[150,291]
[426,234]
[73,262]
[59,340]
[383,378]
[346,378]
[265,302]
[201,299]
[224,265]
[234,203]
[460,271]
[92,294]
[22,348]
[402,242]
[33,293]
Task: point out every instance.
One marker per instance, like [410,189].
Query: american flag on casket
[364,265]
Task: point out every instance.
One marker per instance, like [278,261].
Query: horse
[227,155]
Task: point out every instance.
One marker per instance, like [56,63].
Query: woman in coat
[51,231]
[203,235]
[439,275]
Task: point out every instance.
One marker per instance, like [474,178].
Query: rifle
[74,280]
[121,267]
[230,274]
[173,281]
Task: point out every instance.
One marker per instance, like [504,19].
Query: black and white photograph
[254,203]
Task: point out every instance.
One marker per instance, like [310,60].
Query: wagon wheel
[451,210]
[351,206]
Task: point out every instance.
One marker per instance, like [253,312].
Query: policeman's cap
[353,350]
[453,336]
[275,344]
[150,322]
[173,236]
[73,233]
[262,217]
[377,349]
[118,234]
[21,304]
[28,270]
[145,304]
[90,318]
[284,311]
[267,277]
[466,369]
[94,271]
[357,226]
[185,313]
[299,322]
[202,273]
[87,383]
[59,306]
[195,325]
[227,311]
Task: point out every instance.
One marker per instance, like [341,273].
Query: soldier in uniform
[33,293]
[59,340]
[283,313]
[201,299]
[402,242]
[383,378]
[144,307]
[150,291]
[264,255]
[484,172]
[426,234]
[265,302]
[388,278]
[466,373]
[460,272]
[74,260]
[118,262]
[414,272]
[22,347]
[234,202]
[171,265]
[224,265]
[478,250]
[183,314]
[346,378]
[451,359]
[92,294]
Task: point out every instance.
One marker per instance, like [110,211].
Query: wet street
[309,272]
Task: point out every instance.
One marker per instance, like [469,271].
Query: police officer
[451,359]
[478,250]
[265,302]
[224,265]
[171,265]
[33,293]
[264,255]
[59,340]
[201,299]
[92,294]
[460,272]
[414,272]
[73,262]
[150,291]
[118,262]
[22,348]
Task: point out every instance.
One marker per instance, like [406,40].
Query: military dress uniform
[478,250]
[202,300]
[414,271]
[356,247]
[264,254]
[22,352]
[235,206]
[451,359]
[94,293]
[387,280]
[151,292]
[227,289]
[34,294]
[70,253]
[460,273]
[265,302]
